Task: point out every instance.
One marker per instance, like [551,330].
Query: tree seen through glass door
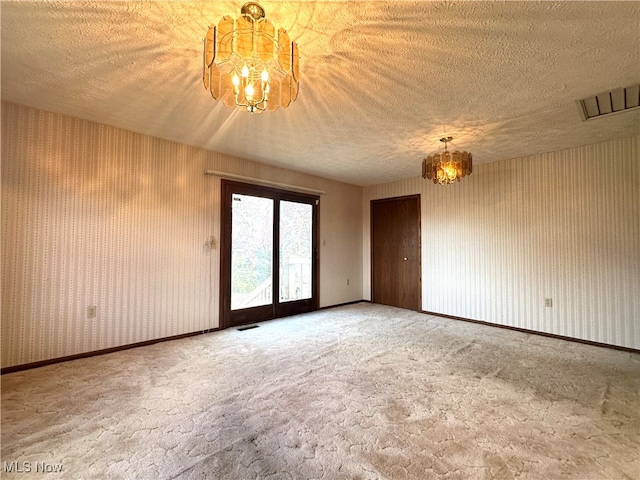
[296,247]
[252,251]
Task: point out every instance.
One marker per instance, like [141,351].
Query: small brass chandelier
[246,65]
[447,167]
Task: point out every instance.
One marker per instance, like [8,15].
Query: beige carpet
[358,392]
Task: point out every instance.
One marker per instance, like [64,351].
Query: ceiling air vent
[615,101]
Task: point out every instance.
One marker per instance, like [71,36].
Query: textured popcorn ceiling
[381,81]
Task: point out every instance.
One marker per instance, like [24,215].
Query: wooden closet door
[395,252]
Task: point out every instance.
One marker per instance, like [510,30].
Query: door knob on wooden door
[405,259]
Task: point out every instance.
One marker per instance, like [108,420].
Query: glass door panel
[269,253]
[251,251]
[296,251]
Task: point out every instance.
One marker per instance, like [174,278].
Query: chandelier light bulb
[451,171]
[245,71]
[265,76]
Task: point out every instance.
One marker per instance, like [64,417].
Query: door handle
[405,259]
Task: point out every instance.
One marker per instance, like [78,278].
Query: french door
[269,253]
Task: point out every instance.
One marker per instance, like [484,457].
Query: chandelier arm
[253,104]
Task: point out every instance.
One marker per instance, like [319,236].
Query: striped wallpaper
[562,225]
[96,215]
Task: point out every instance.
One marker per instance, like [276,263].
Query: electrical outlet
[91,311]
[548,302]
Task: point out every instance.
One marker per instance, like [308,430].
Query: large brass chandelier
[447,167]
[247,65]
